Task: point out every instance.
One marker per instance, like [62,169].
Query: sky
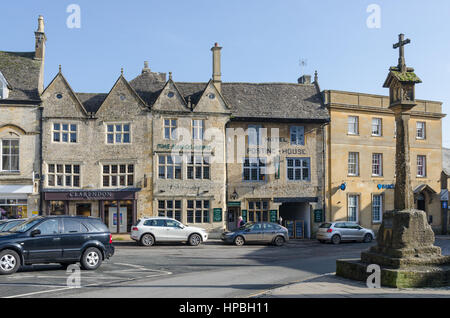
[348,42]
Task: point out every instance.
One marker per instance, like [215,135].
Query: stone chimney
[304,79]
[39,53]
[217,75]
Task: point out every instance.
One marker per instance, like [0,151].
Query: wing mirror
[35,232]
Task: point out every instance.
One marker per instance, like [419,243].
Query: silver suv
[147,231]
[336,232]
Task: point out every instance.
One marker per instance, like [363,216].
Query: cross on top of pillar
[400,45]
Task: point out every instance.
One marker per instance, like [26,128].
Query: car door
[45,246]
[254,233]
[269,232]
[351,230]
[175,232]
[74,235]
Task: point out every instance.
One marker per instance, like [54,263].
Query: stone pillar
[403,195]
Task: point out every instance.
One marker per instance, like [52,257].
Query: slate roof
[91,101]
[446,161]
[266,101]
[275,100]
[248,100]
[21,71]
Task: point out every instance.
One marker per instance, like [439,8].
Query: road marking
[119,280]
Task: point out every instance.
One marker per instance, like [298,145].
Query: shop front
[16,201]
[116,208]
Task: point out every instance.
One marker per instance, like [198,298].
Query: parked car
[148,231]
[335,232]
[6,225]
[260,232]
[55,239]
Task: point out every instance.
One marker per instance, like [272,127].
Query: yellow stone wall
[340,143]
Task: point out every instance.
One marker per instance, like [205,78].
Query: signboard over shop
[89,195]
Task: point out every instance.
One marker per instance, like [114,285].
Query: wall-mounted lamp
[234,195]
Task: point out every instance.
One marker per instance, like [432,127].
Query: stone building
[21,82]
[280,172]
[361,158]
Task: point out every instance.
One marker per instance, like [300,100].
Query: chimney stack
[217,76]
[305,79]
[39,53]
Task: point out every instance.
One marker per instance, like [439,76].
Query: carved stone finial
[60,68]
[170,75]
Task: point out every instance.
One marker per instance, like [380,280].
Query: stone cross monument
[405,248]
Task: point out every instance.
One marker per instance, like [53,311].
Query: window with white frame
[420,129]
[198,211]
[421,166]
[254,135]
[353,207]
[298,169]
[297,135]
[118,133]
[353,163]
[254,169]
[198,126]
[376,126]
[169,167]
[377,208]
[10,155]
[258,211]
[353,128]
[377,164]
[170,125]
[170,209]
[63,175]
[118,175]
[65,132]
[198,167]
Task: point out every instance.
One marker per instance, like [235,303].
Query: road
[173,271]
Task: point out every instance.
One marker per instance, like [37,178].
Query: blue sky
[263,41]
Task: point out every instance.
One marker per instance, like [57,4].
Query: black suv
[55,239]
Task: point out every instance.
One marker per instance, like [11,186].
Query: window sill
[9,173]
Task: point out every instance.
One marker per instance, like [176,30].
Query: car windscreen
[325,225]
[25,226]
[10,225]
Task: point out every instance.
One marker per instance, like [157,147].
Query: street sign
[217,215]
[273,216]
[445,204]
[318,216]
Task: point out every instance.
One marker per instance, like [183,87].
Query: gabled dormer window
[4,87]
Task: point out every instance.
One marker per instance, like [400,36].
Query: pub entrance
[233,214]
[296,218]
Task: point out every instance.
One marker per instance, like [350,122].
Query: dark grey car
[261,232]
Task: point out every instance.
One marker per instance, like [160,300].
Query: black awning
[296,200]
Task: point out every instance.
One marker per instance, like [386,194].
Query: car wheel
[336,239]
[91,259]
[9,262]
[279,241]
[239,241]
[194,240]
[147,240]
[368,238]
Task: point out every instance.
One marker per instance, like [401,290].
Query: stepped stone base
[405,254]
[407,277]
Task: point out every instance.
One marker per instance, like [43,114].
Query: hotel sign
[87,195]
[183,147]
[268,151]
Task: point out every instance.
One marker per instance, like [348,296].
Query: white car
[147,231]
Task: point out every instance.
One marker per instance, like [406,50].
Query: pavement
[332,286]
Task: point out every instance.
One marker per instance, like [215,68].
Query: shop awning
[296,200]
[8,189]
